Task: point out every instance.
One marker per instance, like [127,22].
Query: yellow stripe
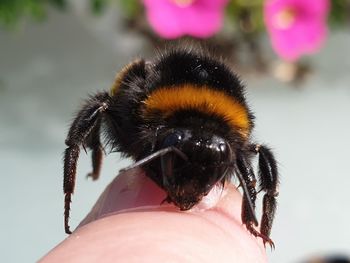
[168,100]
[120,77]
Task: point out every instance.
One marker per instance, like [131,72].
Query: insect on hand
[183,118]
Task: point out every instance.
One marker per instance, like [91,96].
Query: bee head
[187,180]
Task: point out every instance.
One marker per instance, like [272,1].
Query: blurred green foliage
[247,15]
[98,6]
[11,11]
[340,12]
[131,8]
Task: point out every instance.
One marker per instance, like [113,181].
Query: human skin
[127,224]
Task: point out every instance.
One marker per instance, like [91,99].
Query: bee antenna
[156,155]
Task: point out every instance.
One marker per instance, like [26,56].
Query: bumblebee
[183,118]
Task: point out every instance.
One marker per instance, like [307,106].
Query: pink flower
[175,18]
[296,27]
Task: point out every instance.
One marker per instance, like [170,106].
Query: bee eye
[172,139]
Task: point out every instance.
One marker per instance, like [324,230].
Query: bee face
[207,157]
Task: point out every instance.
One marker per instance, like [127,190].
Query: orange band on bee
[169,100]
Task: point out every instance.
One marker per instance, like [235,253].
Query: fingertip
[131,189]
[159,236]
[128,224]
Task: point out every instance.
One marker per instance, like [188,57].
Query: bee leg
[166,200]
[249,197]
[97,151]
[269,181]
[70,166]
[87,119]
[248,214]
[167,166]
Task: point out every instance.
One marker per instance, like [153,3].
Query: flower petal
[163,17]
[306,32]
[202,18]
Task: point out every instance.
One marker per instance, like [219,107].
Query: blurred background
[292,55]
